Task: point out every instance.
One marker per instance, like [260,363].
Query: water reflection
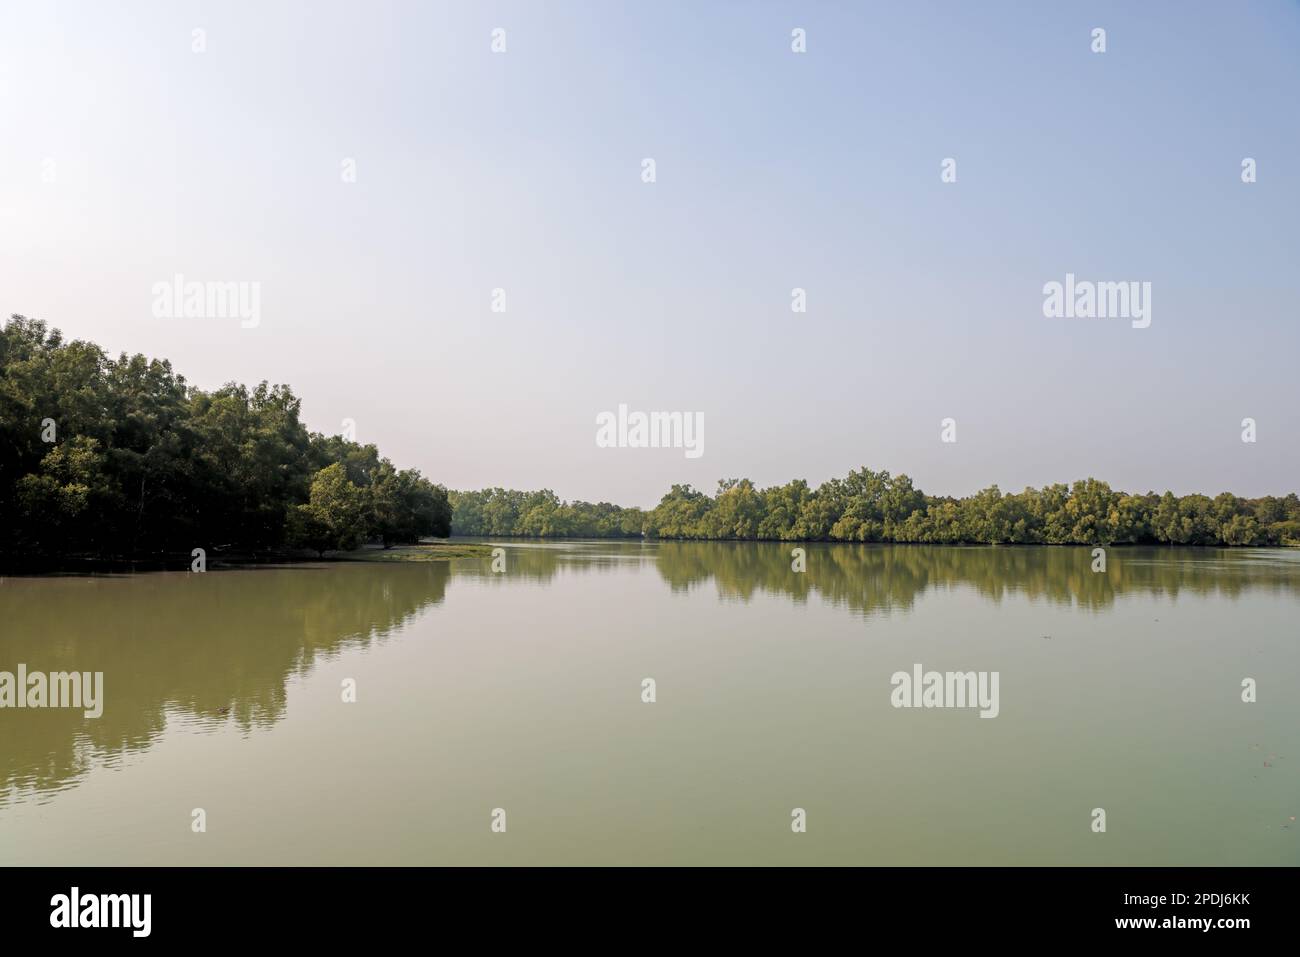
[214,649]
[881,578]
[219,650]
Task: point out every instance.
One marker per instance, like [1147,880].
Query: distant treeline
[499,511]
[120,458]
[872,506]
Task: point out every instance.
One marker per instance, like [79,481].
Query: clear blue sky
[775,170]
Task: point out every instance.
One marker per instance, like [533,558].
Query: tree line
[869,506]
[122,458]
[499,511]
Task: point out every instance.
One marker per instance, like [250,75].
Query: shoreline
[89,564]
[477,547]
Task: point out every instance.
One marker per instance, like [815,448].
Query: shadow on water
[216,649]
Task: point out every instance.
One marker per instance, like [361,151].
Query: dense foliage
[877,507]
[498,511]
[119,457]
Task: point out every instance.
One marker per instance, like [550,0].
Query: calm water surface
[522,691]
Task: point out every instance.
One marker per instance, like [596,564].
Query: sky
[128,156]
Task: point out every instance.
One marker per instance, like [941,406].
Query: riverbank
[424,552]
[436,551]
[446,550]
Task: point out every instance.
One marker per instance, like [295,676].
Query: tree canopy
[122,458]
[869,506]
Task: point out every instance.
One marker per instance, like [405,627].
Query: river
[517,699]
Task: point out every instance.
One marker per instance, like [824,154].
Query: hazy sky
[126,158]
